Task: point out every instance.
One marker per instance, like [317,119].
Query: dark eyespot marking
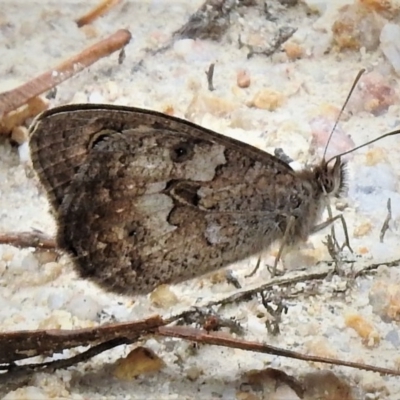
[123,159]
[135,232]
[110,140]
[97,139]
[182,152]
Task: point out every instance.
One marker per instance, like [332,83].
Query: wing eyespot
[98,138]
[182,152]
[135,233]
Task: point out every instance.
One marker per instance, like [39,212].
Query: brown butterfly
[142,198]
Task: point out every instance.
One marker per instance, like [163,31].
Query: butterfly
[141,198]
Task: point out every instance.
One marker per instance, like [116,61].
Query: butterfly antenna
[342,109]
[392,133]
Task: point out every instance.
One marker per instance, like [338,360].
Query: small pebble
[193,373]
[267,99]
[163,297]
[293,50]
[364,329]
[243,79]
[139,361]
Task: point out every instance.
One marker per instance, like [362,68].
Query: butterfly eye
[181,152]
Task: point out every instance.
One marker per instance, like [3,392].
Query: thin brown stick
[210,76]
[96,12]
[218,339]
[28,239]
[385,225]
[19,96]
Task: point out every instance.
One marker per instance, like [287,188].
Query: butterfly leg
[333,241]
[330,221]
[274,270]
[255,269]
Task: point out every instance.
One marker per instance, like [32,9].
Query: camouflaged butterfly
[143,198]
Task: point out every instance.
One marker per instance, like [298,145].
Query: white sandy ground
[37,35]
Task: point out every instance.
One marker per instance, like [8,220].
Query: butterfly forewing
[143,199]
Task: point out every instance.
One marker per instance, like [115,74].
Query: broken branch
[385,225]
[218,339]
[19,96]
[96,12]
[28,239]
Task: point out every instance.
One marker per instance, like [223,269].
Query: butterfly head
[332,179]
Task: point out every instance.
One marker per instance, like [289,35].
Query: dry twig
[222,339]
[19,96]
[97,12]
[385,225]
[28,239]
[210,76]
